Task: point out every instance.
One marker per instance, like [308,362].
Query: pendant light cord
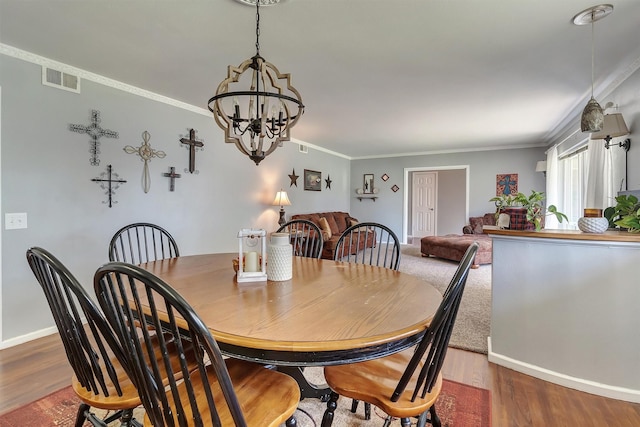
[593,15]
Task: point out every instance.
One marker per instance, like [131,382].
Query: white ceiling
[376,77]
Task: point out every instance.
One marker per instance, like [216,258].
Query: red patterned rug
[459,405]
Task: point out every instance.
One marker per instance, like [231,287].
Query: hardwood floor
[35,369]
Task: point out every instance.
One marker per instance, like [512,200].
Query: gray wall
[46,173]
[483,168]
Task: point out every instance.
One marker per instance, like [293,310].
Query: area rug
[459,405]
[472,326]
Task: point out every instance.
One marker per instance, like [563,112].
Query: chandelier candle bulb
[280,258]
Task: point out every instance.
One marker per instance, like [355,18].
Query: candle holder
[251,255]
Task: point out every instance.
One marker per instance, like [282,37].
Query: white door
[423,213]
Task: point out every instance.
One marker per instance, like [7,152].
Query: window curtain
[554,188]
[606,174]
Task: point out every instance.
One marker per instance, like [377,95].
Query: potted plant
[625,214]
[525,212]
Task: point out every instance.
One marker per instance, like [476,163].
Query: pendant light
[256,105]
[592,118]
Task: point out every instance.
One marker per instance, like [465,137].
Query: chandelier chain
[258,27]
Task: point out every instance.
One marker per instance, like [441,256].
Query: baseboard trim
[28,337]
[599,389]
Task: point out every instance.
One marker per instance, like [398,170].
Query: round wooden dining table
[328,313]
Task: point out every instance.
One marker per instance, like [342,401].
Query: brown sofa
[338,222]
[453,246]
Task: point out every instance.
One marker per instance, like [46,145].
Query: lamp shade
[541,166]
[281,199]
[614,126]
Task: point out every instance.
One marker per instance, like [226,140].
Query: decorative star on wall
[294,179]
[328,181]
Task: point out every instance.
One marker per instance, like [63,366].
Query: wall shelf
[367,198]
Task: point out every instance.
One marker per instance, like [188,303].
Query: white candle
[251,262]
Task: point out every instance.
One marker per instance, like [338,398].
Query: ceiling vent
[303,149]
[61,80]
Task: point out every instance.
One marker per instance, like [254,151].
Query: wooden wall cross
[109,181]
[146,153]
[172,175]
[95,132]
[193,143]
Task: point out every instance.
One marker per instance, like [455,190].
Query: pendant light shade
[592,119]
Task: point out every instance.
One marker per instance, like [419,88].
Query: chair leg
[422,420]
[291,422]
[435,420]
[367,410]
[332,404]
[81,417]
[354,405]
[405,422]
[387,421]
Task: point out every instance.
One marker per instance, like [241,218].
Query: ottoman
[453,247]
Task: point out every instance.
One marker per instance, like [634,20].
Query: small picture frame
[312,180]
[385,177]
[367,185]
[395,188]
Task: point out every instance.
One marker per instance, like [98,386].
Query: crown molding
[97,78]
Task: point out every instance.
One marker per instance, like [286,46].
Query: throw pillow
[332,224]
[353,221]
[476,224]
[324,229]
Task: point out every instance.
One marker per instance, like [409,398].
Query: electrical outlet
[13,221]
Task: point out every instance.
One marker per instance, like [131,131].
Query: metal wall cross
[109,181]
[172,175]
[146,153]
[95,132]
[193,143]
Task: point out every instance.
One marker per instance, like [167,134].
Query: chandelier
[258,118]
[592,118]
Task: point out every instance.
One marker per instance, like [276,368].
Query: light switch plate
[13,221]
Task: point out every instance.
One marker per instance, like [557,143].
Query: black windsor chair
[370,381]
[99,380]
[305,236]
[369,243]
[142,242]
[219,392]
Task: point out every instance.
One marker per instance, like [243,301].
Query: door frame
[407,193]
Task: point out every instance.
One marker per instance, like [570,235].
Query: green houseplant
[625,213]
[532,205]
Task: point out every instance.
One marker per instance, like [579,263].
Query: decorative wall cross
[172,175]
[110,182]
[146,153]
[193,143]
[95,132]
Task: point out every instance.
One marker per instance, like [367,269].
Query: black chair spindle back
[167,310]
[306,238]
[142,242]
[369,243]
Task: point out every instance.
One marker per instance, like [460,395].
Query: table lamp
[281,200]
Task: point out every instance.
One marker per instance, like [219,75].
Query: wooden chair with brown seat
[99,379]
[305,236]
[405,384]
[142,242]
[373,244]
[219,392]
